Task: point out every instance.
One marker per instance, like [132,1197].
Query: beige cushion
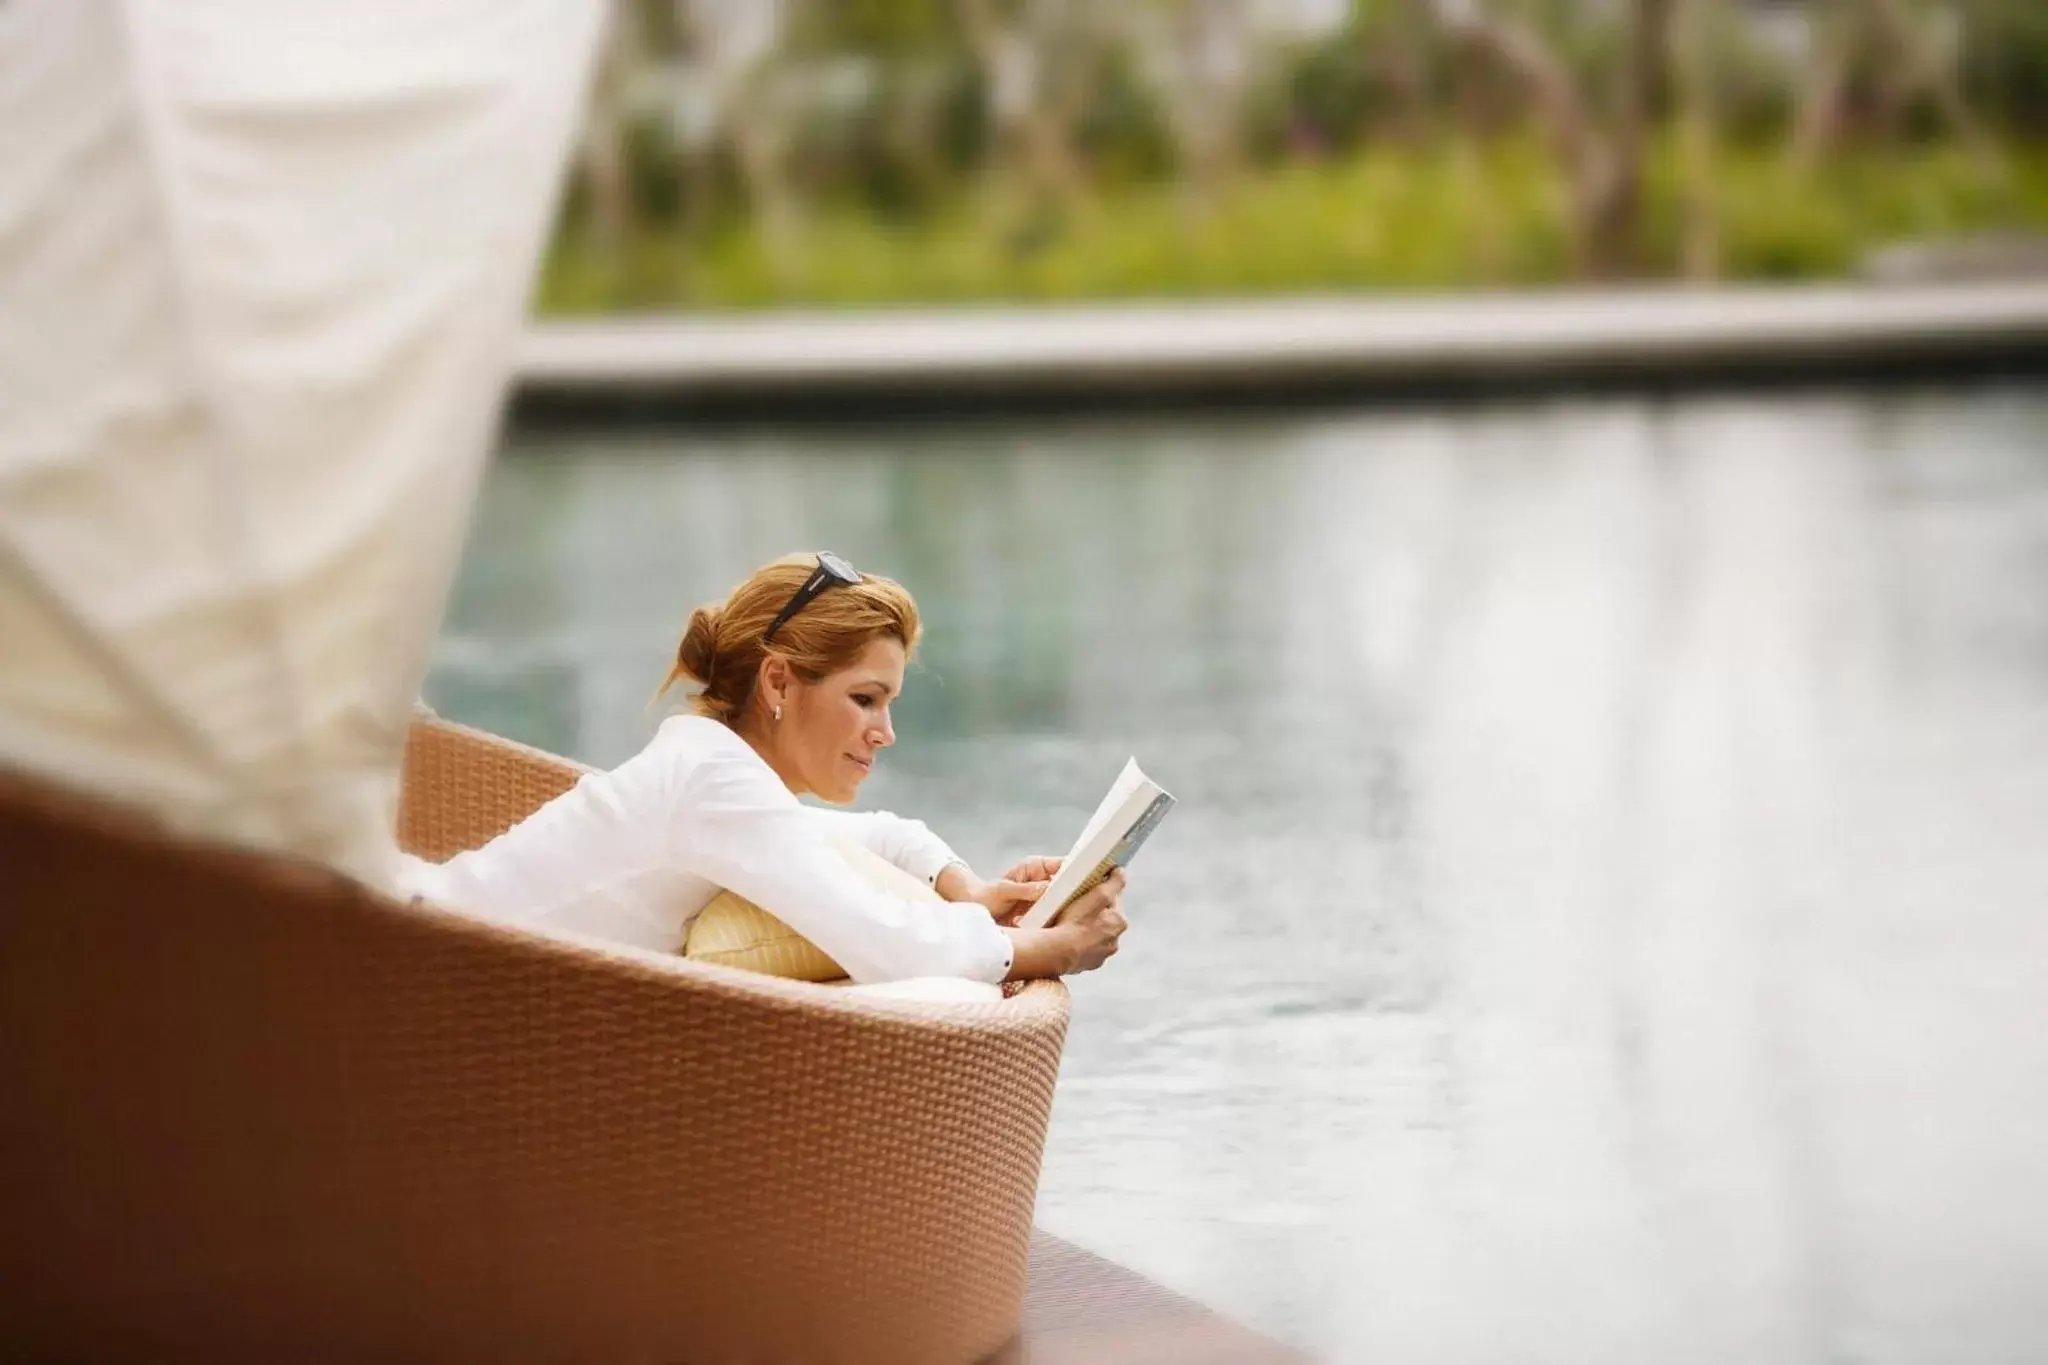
[735,932]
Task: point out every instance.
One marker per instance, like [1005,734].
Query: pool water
[1606,917]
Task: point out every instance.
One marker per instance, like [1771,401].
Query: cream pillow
[735,932]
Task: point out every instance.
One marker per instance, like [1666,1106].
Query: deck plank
[1081,1309]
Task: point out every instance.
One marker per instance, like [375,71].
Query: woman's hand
[1094,923]
[1037,868]
[1006,898]
[1084,939]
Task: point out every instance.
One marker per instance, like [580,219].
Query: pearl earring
[778,713]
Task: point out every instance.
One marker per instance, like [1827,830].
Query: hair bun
[699,646]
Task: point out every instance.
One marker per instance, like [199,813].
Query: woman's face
[833,729]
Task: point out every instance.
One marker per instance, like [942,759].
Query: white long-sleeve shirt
[633,854]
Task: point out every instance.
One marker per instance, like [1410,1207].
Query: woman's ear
[773,682]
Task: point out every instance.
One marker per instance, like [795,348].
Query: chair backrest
[464,787]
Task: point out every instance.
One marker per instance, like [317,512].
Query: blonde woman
[795,674]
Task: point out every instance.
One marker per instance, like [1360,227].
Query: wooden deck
[1083,1310]
[786,362]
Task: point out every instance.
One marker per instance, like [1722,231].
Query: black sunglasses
[831,571]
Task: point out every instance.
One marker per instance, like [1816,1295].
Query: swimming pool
[1607,913]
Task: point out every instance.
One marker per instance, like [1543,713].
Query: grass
[1388,218]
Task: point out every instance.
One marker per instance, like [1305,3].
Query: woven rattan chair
[249,1111]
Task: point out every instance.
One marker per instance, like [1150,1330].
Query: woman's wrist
[1038,953]
[956,882]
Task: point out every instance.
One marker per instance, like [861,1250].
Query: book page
[1128,799]
[1126,782]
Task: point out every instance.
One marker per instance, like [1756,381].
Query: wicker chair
[253,1112]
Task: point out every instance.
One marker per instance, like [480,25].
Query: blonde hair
[721,649]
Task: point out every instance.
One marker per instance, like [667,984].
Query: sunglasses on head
[832,571]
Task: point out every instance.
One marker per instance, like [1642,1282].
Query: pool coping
[794,363]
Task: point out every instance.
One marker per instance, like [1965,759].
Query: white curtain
[262,269]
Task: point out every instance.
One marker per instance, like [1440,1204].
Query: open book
[1132,810]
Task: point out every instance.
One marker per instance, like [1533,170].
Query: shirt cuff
[994,954]
[927,864]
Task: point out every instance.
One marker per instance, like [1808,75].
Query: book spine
[1127,848]
[1121,854]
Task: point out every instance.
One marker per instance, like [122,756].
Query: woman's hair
[721,649]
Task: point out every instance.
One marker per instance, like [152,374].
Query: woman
[796,672]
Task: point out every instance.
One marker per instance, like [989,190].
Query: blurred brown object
[1084,1310]
[1602,143]
[255,1112]
[1897,50]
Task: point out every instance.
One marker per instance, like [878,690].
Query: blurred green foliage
[1438,217]
[890,150]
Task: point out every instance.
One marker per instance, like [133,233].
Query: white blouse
[633,854]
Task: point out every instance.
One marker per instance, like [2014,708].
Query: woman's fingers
[1008,899]
[1036,869]
[1097,921]
[1104,897]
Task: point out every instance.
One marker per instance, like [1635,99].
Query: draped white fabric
[262,268]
